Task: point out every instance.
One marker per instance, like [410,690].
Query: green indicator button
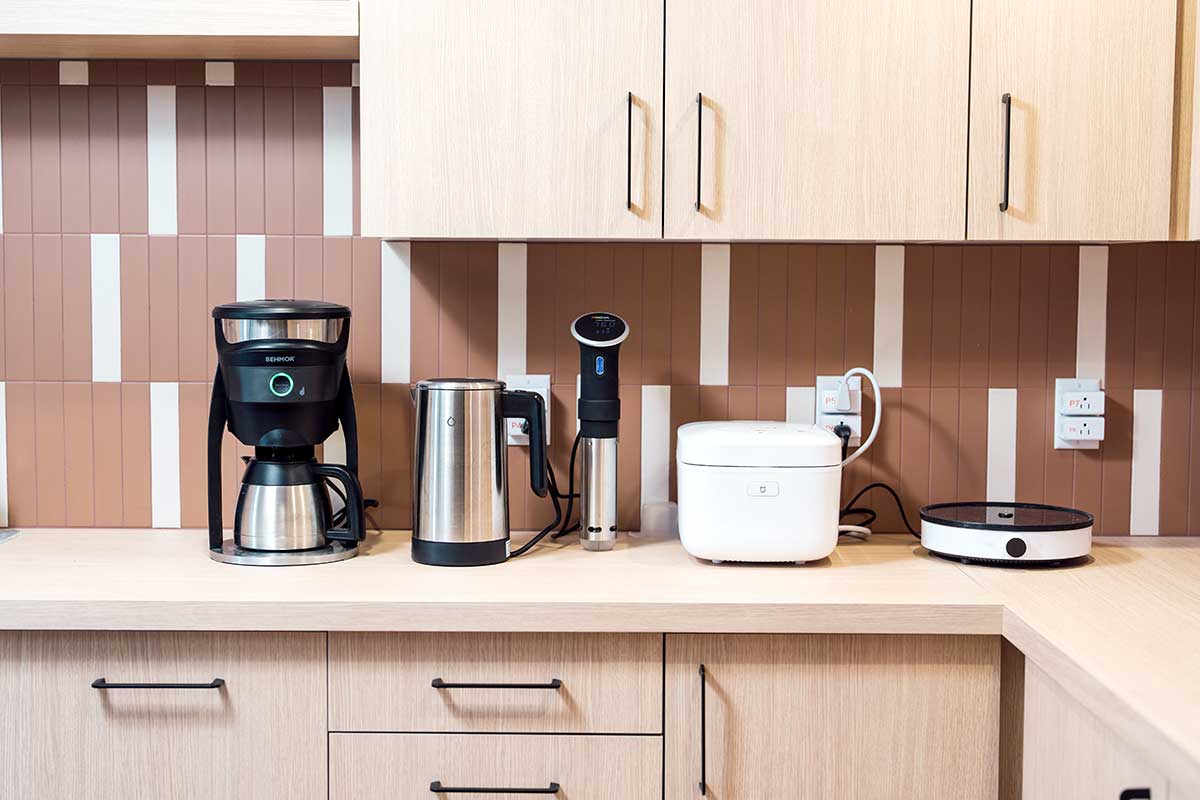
[281,384]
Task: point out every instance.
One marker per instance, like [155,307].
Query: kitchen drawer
[381,766]
[602,683]
[260,734]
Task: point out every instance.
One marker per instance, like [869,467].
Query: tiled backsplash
[137,195]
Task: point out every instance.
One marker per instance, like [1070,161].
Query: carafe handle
[530,407]
[354,531]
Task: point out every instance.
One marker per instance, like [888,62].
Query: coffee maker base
[230,553]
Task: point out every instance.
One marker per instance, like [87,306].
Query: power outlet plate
[1074,385]
[528,383]
[828,415]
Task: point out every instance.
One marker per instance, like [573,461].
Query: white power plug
[1078,414]
[530,383]
[839,401]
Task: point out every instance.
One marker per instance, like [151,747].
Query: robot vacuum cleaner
[1006,534]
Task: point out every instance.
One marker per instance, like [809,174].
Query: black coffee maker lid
[281,309]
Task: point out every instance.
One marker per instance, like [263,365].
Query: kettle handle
[354,531]
[530,407]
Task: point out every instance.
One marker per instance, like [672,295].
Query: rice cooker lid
[757,444]
[1014,517]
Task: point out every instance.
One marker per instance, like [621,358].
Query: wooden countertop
[1121,633]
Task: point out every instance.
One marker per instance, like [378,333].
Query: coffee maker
[282,386]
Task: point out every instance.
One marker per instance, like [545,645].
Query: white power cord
[859,531]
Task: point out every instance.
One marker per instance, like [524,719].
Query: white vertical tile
[161,166]
[338,159]
[802,404]
[889,315]
[251,266]
[3,456]
[106,307]
[73,73]
[1092,320]
[218,73]
[1145,474]
[1002,445]
[335,447]
[164,455]
[656,444]
[511,300]
[714,314]
[395,299]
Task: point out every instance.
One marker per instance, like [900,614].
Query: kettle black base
[459,554]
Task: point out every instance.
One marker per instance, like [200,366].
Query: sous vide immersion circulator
[599,334]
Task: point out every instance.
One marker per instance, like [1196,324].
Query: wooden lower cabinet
[385,766]
[821,716]
[1069,754]
[258,736]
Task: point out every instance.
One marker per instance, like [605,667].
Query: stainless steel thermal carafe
[460,474]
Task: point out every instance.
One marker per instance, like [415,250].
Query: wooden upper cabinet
[1092,91]
[819,120]
[511,118]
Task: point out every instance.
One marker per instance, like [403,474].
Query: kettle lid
[460,384]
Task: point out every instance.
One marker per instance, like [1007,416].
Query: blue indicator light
[599,365]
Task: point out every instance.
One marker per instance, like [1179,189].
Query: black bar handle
[629,152]
[1007,101]
[703,734]
[1135,794]
[699,143]
[102,683]
[554,683]
[437,788]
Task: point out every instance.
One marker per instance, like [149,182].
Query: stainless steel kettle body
[460,475]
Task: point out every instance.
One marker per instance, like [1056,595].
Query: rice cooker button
[762,489]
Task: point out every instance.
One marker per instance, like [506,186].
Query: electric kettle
[460,474]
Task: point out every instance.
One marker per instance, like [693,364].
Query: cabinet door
[259,736]
[511,118]
[829,120]
[1071,755]
[817,716]
[1089,140]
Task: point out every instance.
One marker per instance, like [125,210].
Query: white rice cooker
[758,491]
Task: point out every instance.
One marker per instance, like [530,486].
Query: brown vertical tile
[1059,464]
[192,167]
[104,159]
[220,159]
[370,455]
[335,73]
[519,500]
[14,72]
[945,350]
[1031,444]
[972,444]
[189,73]
[277,73]
[19,319]
[831,309]
[308,272]
[307,122]
[1089,474]
[1180,315]
[16,159]
[860,305]
[396,448]
[714,403]
[21,408]
[772,315]
[222,283]
[4,308]
[482,318]
[107,458]
[45,159]
[231,471]
[858,474]
[885,456]
[539,298]
[131,73]
[943,444]
[278,183]
[1121,314]
[743,314]
[918,315]
[193,454]
[1033,316]
[102,73]
[1003,330]
[1117,452]
[160,73]
[132,183]
[135,453]
[1174,467]
[77,433]
[685,408]
[249,153]
[367,323]
[772,403]
[743,403]
[279,257]
[425,294]
[1063,304]
[976,307]
[1193,526]
[77,308]
[47,339]
[656,297]
[195,320]
[248,73]
[50,459]
[1148,316]
[307,73]
[569,303]
[135,308]
[598,277]
[914,447]
[685,314]
[629,459]
[453,317]
[73,158]
[627,303]
[802,315]
[164,308]
[43,73]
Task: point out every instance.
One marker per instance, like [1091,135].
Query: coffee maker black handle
[217,418]
[354,531]
[530,407]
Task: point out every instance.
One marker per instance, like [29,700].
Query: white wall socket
[828,415]
[528,383]
[1078,414]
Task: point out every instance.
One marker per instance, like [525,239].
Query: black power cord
[570,496]
[850,509]
[558,515]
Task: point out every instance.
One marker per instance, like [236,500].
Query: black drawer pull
[1006,100]
[438,683]
[629,151]
[703,733]
[1135,794]
[699,143]
[437,788]
[102,683]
